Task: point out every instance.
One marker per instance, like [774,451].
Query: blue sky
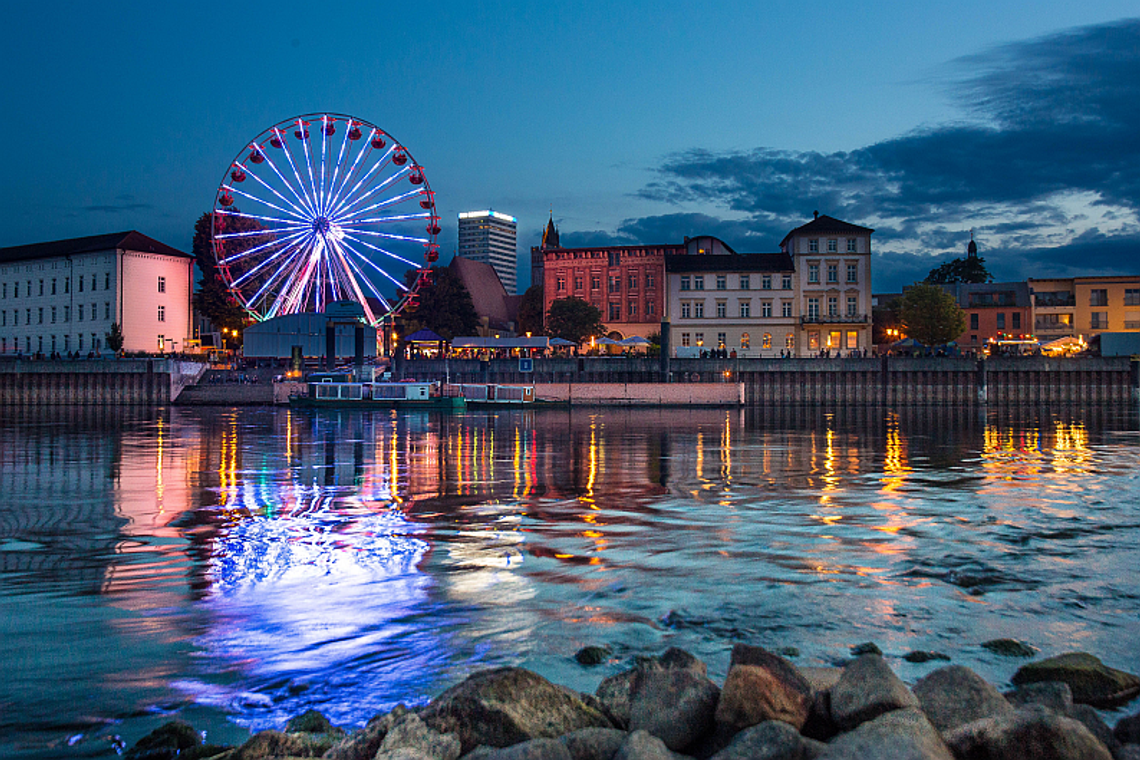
[635,122]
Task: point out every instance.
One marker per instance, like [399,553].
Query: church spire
[972,248]
[550,234]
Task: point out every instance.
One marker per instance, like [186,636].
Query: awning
[423,336]
[540,341]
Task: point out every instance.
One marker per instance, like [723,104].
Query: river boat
[490,394]
[376,395]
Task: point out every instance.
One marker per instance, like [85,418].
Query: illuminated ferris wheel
[320,208]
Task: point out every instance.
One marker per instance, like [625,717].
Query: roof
[550,234]
[826,225]
[742,262]
[488,295]
[127,241]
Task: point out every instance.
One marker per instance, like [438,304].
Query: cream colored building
[1085,306]
[63,296]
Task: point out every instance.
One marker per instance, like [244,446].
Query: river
[234,567]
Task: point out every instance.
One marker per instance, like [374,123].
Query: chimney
[815,214]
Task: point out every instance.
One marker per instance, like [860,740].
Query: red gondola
[277,141]
[301,134]
[432,255]
[434,229]
[226,199]
[255,156]
[426,203]
[354,133]
[400,159]
[329,129]
[417,177]
[238,174]
[378,142]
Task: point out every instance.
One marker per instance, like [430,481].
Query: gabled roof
[826,225]
[742,262]
[127,241]
[487,292]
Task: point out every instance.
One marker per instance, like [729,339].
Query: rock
[821,679]
[903,734]
[867,647]
[1029,733]
[771,740]
[277,744]
[1009,648]
[593,743]
[411,738]
[1090,719]
[312,722]
[820,725]
[955,695]
[535,749]
[614,692]
[762,686]
[924,656]
[166,741]
[676,705]
[1055,695]
[505,706]
[1093,683]
[641,745]
[363,744]
[867,689]
[1127,730]
[788,652]
[1129,752]
[592,655]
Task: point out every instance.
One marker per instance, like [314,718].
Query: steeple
[550,234]
[972,248]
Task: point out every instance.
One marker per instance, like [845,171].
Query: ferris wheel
[321,208]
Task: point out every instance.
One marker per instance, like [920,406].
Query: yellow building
[1085,306]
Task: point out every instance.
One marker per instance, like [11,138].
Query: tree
[930,315]
[530,311]
[115,337]
[213,299]
[969,269]
[574,319]
[444,305]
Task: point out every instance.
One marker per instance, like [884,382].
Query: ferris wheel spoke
[269,260]
[354,284]
[300,268]
[389,254]
[392,236]
[346,206]
[364,153]
[339,162]
[384,203]
[381,219]
[243,215]
[300,190]
[379,163]
[301,212]
[324,150]
[307,144]
[254,233]
[262,201]
[258,249]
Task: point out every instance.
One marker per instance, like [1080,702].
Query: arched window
[745,341]
[767,340]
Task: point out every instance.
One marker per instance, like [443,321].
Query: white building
[490,238]
[63,296]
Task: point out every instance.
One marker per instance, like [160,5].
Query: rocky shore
[667,708]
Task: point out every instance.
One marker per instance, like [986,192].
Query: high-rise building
[490,237]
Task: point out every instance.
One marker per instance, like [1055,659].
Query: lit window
[767,340]
[720,340]
[745,341]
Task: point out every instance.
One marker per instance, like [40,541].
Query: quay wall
[109,382]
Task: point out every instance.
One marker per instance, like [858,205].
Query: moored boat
[377,395]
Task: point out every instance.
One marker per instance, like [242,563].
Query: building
[277,338]
[63,296]
[538,252]
[497,311]
[490,238]
[1085,306]
[994,311]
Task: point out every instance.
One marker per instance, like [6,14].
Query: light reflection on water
[260,562]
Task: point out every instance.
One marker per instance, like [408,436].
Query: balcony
[835,319]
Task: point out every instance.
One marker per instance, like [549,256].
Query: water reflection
[265,561]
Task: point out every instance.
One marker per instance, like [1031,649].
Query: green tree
[115,337]
[530,311]
[213,299]
[444,305]
[930,315]
[574,319]
[969,269]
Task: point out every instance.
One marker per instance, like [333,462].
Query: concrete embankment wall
[109,382]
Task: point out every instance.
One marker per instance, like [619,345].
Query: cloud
[123,204]
[1044,164]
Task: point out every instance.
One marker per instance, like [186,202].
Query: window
[5,290]
[595,282]
[700,338]
[161,313]
[633,282]
[685,339]
[698,309]
[765,308]
[833,307]
[80,338]
[53,313]
[852,306]
[1015,320]
[744,282]
[80,284]
[974,321]
[813,246]
[650,280]
[833,339]
[766,341]
[66,342]
[66,284]
[15,317]
[789,341]
[1098,298]
[852,340]
[813,340]
[698,282]
[745,341]
[813,309]
[107,281]
[852,245]
[79,316]
[852,273]
[686,310]
[1001,320]
[785,308]
[721,309]
[615,311]
[721,282]
[161,342]
[577,282]
[41,315]
[685,282]
[786,283]
[615,284]
[41,287]
[561,284]
[720,339]
[15,290]
[766,282]
[833,273]
[832,245]
[4,318]
[615,258]
[1099,320]
[53,286]
[1132,297]
[631,308]
[813,272]
[66,313]
[92,283]
[161,284]
[746,309]
[650,309]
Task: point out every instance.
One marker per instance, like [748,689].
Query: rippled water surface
[236,567]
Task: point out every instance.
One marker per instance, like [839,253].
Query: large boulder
[675,705]
[903,734]
[1090,719]
[165,742]
[593,743]
[641,745]
[771,740]
[762,686]
[535,749]
[1055,695]
[955,695]
[1093,682]
[363,744]
[1029,733]
[505,706]
[615,693]
[1127,730]
[867,689]
[273,744]
[411,738]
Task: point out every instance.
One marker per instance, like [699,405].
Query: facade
[994,311]
[275,338]
[1085,306]
[497,311]
[62,296]
[490,238]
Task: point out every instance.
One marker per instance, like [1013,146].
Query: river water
[234,567]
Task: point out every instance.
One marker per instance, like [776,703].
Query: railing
[834,319]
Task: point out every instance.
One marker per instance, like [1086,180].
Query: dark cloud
[121,207]
[1050,119]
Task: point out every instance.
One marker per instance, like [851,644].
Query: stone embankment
[667,708]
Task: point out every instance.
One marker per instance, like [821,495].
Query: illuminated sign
[487,214]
